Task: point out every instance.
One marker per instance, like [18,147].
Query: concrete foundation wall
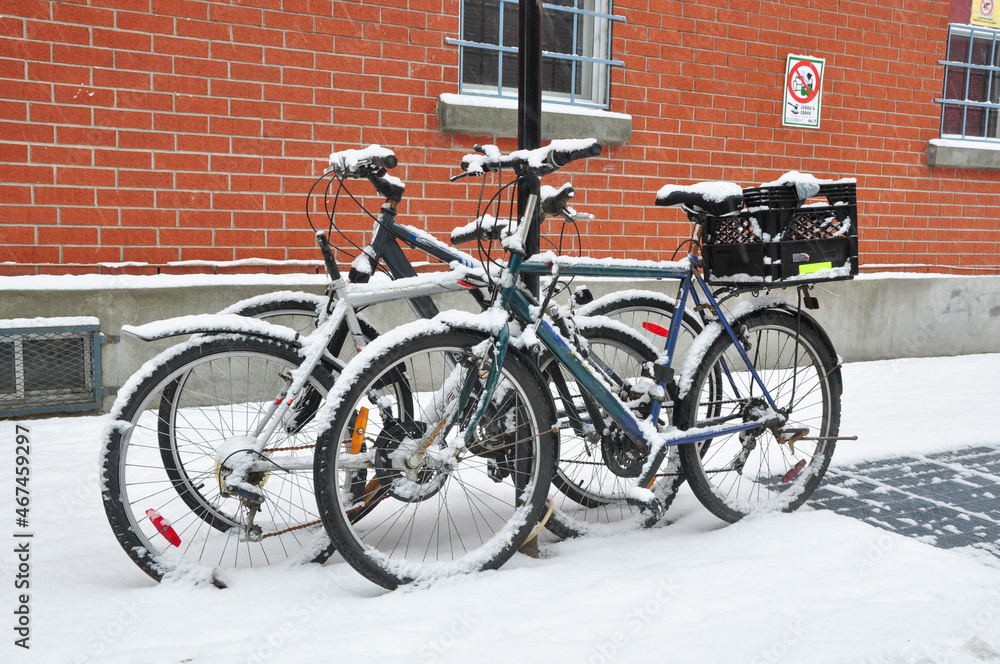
[871,318]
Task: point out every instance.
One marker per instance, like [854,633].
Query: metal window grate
[576,50]
[970,103]
[49,369]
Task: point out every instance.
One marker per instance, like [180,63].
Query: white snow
[568,262]
[713,191]
[124,281]
[210,323]
[349,160]
[547,107]
[812,586]
[963,143]
[484,225]
[58,321]
[805,182]
[477,164]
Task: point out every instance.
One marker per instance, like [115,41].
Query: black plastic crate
[773,206]
[777,240]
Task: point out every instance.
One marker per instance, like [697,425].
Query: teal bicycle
[408,487]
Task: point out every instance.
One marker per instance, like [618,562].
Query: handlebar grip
[466,235]
[387,162]
[560,158]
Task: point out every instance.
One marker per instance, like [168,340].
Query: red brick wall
[175,130]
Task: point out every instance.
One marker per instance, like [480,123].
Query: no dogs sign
[803,91]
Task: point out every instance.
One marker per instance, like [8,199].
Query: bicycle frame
[348,297]
[384,247]
[691,285]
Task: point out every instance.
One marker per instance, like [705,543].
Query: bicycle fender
[316,301]
[212,324]
[738,313]
[807,319]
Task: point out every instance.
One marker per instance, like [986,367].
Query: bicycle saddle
[715,198]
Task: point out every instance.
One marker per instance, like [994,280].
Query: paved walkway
[949,500]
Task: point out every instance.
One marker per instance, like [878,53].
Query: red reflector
[790,475]
[466,284]
[163,527]
[656,329]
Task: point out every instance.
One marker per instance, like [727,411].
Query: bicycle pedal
[650,506]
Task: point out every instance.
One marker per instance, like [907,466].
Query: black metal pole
[529,108]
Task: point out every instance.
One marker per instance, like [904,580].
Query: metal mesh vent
[48,369]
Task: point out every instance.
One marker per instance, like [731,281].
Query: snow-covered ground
[806,587]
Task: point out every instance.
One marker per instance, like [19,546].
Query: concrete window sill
[488,116]
[943,153]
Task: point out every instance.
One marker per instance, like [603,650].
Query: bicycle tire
[742,474]
[650,315]
[139,474]
[299,311]
[454,514]
[648,312]
[591,481]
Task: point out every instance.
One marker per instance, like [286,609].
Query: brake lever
[572,215]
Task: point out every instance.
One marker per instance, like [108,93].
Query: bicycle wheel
[649,313]
[595,471]
[757,470]
[160,463]
[432,507]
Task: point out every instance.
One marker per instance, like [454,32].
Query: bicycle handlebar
[560,158]
[536,162]
[361,163]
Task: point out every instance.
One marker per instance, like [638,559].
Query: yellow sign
[809,268]
[985,12]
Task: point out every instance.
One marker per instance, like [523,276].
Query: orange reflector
[656,329]
[360,424]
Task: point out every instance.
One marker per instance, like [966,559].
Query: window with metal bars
[970,106]
[576,50]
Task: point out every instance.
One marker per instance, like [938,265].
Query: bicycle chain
[601,463]
[288,530]
[300,526]
[318,521]
[291,449]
